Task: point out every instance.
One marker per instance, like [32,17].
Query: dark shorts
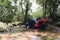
[44,27]
[35,27]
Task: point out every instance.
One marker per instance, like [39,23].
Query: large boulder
[3,26]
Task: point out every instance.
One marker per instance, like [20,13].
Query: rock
[23,25]
[10,25]
[57,38]
[57,24]
[50,38]
[15,23]
[35,38]
[3,26]
[58,30]
[52,28]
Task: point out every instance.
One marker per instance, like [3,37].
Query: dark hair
[38,18]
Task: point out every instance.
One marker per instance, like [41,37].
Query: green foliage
[39,1]
[52,8]
[10,13]
[4,2]
[49,7]
[38,13]
[17,16]
[26,1]
[58,12]
[27,6]
[7,11]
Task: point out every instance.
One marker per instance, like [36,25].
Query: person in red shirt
[38,24]
[41,24]
[44,24]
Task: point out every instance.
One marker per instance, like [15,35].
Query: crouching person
[30,24]
[44,24]
[38,24]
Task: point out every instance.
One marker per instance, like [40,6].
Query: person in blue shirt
[31,23]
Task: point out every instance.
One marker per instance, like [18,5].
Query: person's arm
[36,25]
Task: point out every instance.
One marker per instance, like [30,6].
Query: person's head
[38,18]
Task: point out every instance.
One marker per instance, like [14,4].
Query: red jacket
[37,23]
[44,21]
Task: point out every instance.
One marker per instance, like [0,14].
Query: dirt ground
[26,35]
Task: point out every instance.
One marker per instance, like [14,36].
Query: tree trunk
[26,12]
[22,11]
[44,9]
